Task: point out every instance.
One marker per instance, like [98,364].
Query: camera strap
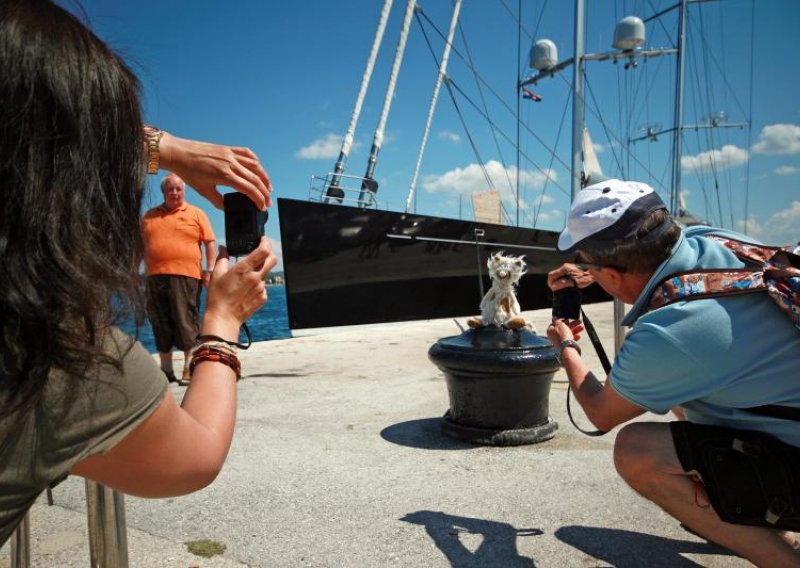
[601,354]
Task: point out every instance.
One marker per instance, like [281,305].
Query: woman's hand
[237,293]
[568,275]
[560,330]
[204,166]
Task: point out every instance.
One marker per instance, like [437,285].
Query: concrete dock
[338,461]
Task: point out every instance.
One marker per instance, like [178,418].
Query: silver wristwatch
[568,343]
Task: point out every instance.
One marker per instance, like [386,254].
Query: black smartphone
[244,224]
[567,303]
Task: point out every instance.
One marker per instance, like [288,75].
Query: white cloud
[553,215]
[449,136]
[728,157]
[598,148]
[786,170]
[778,139]
[326,147]
[470,179]
[779,229]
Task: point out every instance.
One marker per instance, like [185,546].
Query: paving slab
[339,460]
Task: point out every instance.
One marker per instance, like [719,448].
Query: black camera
[244,224]
[567,303]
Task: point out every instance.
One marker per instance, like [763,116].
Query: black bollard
[498,381]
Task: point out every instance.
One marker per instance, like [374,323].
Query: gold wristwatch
[152,137]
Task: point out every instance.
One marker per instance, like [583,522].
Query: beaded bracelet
[218,345]
[216,355]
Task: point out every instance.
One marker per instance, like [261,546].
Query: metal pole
[577,99]
[362,92]
[21,544]
[108,537]
[619,331]
[439,78]
[677,139]
[377,140]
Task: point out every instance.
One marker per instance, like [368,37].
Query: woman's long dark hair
[71,182]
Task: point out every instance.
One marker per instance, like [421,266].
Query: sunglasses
[585,266]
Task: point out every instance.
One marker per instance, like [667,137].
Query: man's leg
[159,314]
[186,317]
[645,457]
[166,362]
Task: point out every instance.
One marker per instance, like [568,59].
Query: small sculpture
[500,306]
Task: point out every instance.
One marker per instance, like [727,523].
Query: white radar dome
[629,34]
[544,54]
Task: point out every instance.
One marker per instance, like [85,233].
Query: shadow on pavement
[496,544]
[628,549]
[425,434]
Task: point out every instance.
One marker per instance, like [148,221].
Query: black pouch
[750,478]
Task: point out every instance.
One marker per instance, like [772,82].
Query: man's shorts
[173,308]
[751,478]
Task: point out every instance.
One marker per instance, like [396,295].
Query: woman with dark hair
[76,394]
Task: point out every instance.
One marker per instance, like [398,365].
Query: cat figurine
[500,306]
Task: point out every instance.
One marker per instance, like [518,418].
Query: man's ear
[614,275]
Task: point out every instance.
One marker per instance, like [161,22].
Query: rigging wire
[469,100]
[750,115]
[467,132]
[517,78]
[550,167]
[604,125]
[483,102]
[710,134]
[497,96]
[700,171]
[616,139]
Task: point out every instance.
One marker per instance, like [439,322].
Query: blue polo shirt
[710,356]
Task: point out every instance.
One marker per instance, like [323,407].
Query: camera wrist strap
[601,354]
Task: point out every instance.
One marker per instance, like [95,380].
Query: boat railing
[108,540]
[344,189]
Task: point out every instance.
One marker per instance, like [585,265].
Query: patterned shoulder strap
[705,284]
[776,271]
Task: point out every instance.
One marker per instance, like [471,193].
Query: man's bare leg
[166,361]
[187,375]
[645,457]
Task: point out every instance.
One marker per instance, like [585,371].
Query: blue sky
[281,77]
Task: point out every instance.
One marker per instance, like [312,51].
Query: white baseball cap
[608,212]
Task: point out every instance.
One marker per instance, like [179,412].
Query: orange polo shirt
[172,240]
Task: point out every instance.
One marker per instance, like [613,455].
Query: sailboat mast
[677,140]
[439,78]
[347,143]
[377,140]
[578,117]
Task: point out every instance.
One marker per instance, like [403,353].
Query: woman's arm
[204,166]
[177,450]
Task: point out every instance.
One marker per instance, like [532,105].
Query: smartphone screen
[244,224]
[567,303]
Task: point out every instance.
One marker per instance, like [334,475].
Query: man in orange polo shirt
[173,233]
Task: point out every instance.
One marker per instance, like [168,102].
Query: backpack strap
[700,284]
[774,270]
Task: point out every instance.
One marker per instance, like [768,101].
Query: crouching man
[711,359]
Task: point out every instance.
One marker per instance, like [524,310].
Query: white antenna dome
[629,34]
[544,54]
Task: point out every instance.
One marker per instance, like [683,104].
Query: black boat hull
[350,266]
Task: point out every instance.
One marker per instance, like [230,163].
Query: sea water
[270,322]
